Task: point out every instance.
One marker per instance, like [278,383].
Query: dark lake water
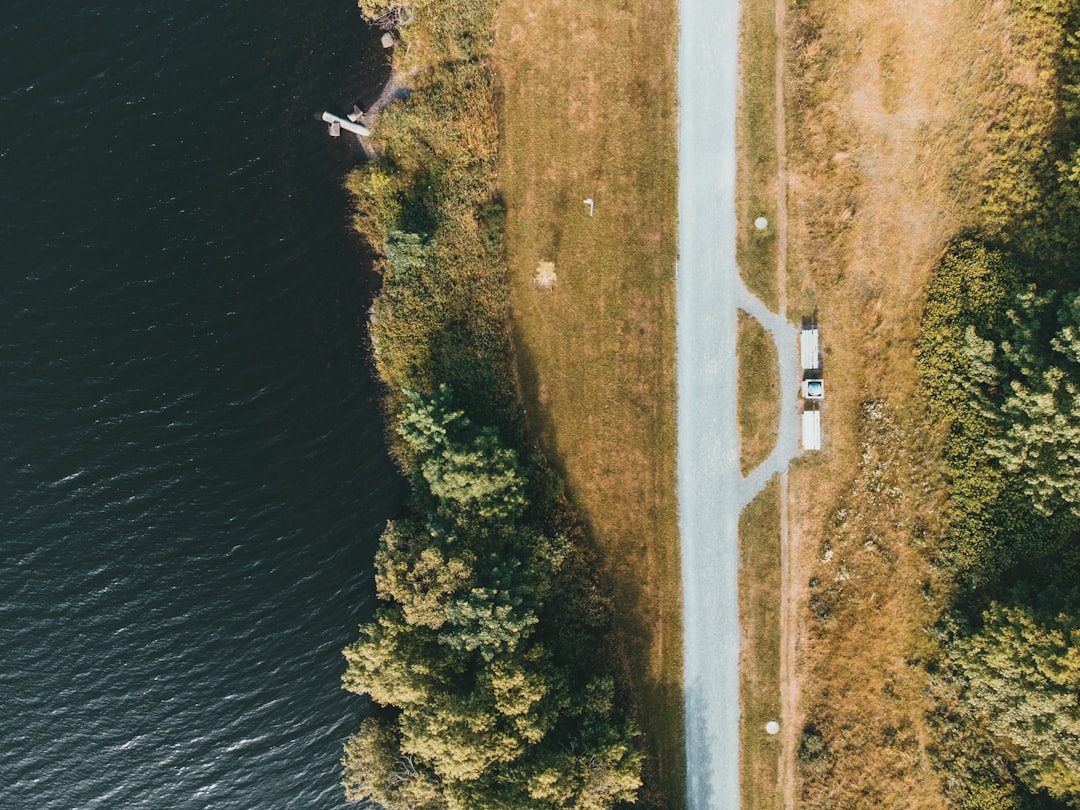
[192,466]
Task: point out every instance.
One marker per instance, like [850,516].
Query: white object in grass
[808,349]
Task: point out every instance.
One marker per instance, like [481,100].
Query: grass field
[755,136]
[587,102]
[759,658]
[759,393]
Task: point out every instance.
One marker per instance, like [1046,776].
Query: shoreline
[545,683]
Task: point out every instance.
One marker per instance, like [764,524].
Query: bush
[486,708]
[1000,366]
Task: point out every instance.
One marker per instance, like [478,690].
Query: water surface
[192,465]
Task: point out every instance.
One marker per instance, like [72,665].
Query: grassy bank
[759,393]
[885,157]
[759,655]
[587,111]
[755,140]
[499,678]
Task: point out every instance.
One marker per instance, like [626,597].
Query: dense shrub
[1028,388]
[1030,202]
[993,524]
[486,707]
[1021,674]
[1000,357]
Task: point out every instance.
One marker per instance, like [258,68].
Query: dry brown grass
[587,110]
[755,136]
[759,393]
[872,596]
[886,156]
[759,651]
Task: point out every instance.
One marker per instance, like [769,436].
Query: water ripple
[193,460]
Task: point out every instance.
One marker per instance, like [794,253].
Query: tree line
[1000,358]
[485,704]
[490,663]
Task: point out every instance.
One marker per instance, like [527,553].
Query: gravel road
[711,490]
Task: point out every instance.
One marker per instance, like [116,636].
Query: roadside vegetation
[1000,355]
[759,653]
[495,676]
[936,178]
[587,102]
[755,137]
[759,393]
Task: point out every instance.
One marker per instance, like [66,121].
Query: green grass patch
[755,134]
[759,657]
[759,393]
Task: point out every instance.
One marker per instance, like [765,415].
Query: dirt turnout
[887,105]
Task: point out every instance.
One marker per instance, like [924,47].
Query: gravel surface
[711,490]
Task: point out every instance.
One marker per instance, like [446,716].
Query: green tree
[992,522]
[486,715]
[374,769]
[487,620]
[1028,387]
[459,736]
[1022,675]
[465,466]
[398,664]
[413,568]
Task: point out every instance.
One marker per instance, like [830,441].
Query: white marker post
[589,202]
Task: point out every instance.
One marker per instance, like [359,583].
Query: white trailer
[811,430]
[808,349]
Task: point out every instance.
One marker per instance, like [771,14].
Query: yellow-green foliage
[488,655]
[984,353]
[971,289]
[427,205]
[1022,674]
[1028,386]
[492,705]
[1030,226]
[994,524]
[1000,368]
